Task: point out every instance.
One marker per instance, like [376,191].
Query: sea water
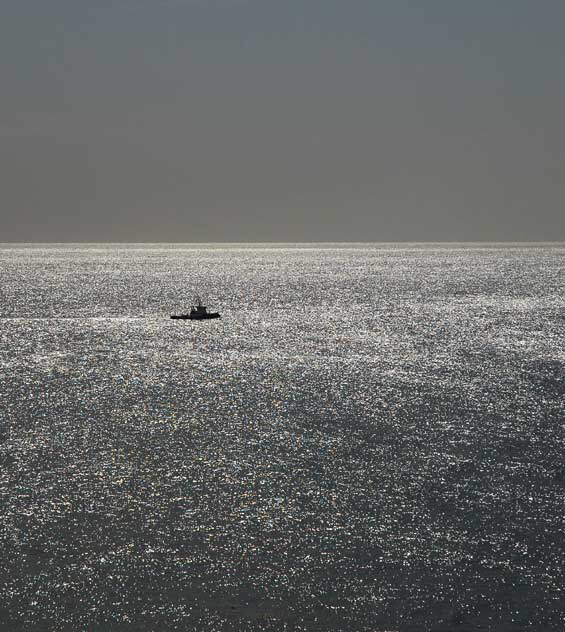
[370,438]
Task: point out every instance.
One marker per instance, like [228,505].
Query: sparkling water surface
[371,438]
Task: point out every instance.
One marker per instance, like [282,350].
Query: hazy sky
[264,120]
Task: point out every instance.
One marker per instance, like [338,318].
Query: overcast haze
[310,120]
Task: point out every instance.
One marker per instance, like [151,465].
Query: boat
[197,312]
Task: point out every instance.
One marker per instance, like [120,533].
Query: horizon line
[284,243]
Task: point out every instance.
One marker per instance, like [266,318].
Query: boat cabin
[198,310]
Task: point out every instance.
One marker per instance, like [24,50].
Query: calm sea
[370,438]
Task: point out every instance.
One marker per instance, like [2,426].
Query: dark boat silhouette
[197,312]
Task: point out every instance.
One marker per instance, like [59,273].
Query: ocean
[371,438]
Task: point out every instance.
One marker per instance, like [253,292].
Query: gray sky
[286,120]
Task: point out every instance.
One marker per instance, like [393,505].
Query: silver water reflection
[370,438]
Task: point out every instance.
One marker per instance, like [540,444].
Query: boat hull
[195,316]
